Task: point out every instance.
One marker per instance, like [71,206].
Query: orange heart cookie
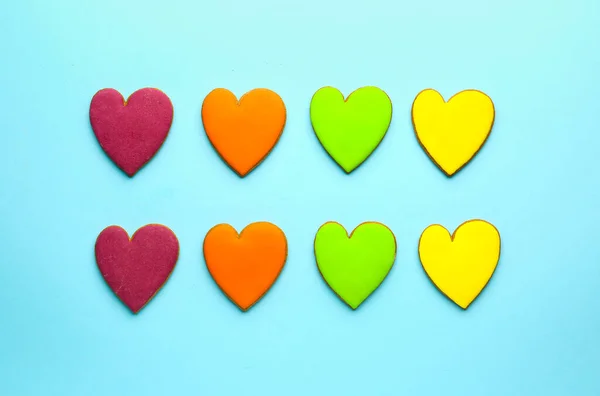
[245,266]
[243,132]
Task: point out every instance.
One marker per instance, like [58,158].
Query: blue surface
[534,330]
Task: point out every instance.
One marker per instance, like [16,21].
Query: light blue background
[535,330]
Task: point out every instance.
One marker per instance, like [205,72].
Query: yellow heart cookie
[460,265]
[452,132]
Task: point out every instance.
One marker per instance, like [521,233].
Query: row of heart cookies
[246,265]
[244,131]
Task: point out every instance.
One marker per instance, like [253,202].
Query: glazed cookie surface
[135,269]
[245,265]
[350,129]
[243,132]
[131,131]
[452,132]
[460,265]
[354,265]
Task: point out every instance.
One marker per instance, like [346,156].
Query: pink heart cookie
[135,269]
[131,132]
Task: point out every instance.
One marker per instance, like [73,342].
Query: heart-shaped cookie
[135,269]
[460,265]
[243,132]
[354,266]
[350,130]
[245,265]
[452,132]
[131,132]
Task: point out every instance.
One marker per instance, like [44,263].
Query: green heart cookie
[354,266]
[350,130]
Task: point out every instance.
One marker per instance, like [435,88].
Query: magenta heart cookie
[131,131]
[135,269]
